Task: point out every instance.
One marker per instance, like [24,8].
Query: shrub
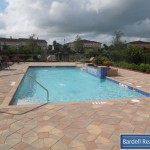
[90,53]
[107,63]
[116,56]
[147,68]
[120,64]
[142,67]
[134,54]
[104,59]
[99,60]
[30,59]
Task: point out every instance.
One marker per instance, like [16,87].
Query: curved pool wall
[67,84]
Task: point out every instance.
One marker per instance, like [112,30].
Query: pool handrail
[40,86]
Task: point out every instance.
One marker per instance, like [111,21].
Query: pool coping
[10,95]
[130,87]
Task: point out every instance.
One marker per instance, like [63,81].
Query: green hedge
[100,59]
[140,67]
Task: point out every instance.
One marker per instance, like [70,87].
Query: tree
[117,43]
[91,53]
[33,47]
[32,43]
[25,49]
[49,48]
[5,49]
[78,46]
[106,47]
[56,46]
[66,49]
[117,38]
[134,54]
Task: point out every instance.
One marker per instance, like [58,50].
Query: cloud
[139,28]
[92,19]
[100,5]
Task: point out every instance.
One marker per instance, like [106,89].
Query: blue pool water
[67,84]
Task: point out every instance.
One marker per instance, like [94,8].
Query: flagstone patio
[71,126]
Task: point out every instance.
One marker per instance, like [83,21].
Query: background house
[86,44]
[142,44]
[11,42]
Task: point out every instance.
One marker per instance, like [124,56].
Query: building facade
[86,44]
[11,42]
[142,44]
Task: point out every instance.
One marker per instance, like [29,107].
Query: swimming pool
[67,84]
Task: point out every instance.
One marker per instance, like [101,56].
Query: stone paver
[72,126]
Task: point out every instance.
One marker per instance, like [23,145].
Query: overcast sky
[64,19]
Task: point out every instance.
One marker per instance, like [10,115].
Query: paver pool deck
[71,126]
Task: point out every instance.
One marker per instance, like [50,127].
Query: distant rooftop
[139,42]
[88,41]
[20,40]
[85,41]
